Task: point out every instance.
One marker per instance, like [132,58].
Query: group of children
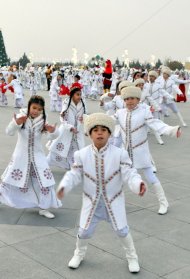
[28,181]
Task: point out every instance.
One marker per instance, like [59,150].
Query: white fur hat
[139,81]
[98,119]
[131,92]
[153,73]
[167,71]
[124,83]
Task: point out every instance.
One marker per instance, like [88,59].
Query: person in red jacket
[107,74]
[3,97]
[182,87]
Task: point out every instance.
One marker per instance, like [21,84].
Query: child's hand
[20,120]
[74,130]
[178,132]
[152,109]
[142,189]
[60,194]
[50,128]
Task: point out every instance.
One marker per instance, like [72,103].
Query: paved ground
[34,247]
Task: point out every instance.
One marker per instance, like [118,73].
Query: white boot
[158,137]
[132,258]
[181,119]
[46,213]
[79,253]
[162,199]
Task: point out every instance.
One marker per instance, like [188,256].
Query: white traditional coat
[99,178]
[170,86]
[111,107]
[71,119]
[28,151]
[134,128]
[18,90]
[154,94]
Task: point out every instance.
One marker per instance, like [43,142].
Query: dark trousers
[48,83]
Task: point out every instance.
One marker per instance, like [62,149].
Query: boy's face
[140,85]
[152,78]
[76,79]
[131,102]
[165,76]
[100,136]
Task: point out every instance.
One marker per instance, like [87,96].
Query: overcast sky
[49,29]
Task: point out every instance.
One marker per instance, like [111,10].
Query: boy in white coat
[135,120]
[103,196]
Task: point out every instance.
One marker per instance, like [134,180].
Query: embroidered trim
[94,203]
[58,158]
[128,135]
[16,174]
[108,205]
[137,145]
[87,195]
[60,146]
[23,190]
[90,177]
[149,118]
[45,190]
[112,176]
[77,167]
[116,195]
[102,150]
[136,129]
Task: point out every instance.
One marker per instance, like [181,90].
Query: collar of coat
[101,150]
[130,110]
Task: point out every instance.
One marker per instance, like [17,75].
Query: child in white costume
[28,182]
[135,120]
[71,133]
[55,98]
[112,106]
[33,84]
[103,196]
[18,91]
[169,85]
[3,97]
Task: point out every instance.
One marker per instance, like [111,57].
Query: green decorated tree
[24,60]
[4,60]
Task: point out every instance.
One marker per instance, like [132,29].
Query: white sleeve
[54,135]
[73,177]
[159,126]
[176,90]
[181,81]
[129,175]
[166,95]
[12,128]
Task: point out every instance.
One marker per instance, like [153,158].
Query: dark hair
[40,101]
[72,92]
[14,76]
[143,74]
[97,126]
[136,73]
[117,87]
[77,76]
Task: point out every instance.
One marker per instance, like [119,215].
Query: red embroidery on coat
[48,173]
[16,174]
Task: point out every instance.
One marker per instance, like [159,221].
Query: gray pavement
[32,246]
